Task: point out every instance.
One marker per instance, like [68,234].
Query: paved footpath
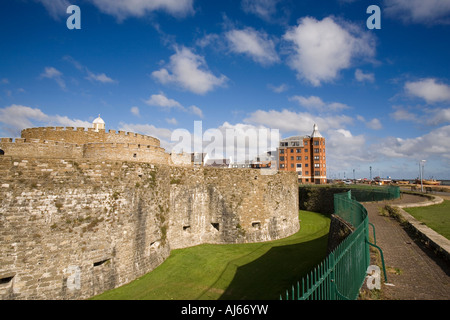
[415,272]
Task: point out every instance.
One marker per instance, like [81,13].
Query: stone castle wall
[67,143]
[82,136]
[74,227]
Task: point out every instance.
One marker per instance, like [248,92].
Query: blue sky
[381,97]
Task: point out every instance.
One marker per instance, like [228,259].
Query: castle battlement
[80,142]
[80,135]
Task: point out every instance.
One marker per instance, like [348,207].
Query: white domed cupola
[98,124]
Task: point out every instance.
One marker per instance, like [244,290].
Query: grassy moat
[254,271]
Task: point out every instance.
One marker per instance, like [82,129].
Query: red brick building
[306,155]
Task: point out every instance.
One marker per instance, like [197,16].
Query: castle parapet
[81,136]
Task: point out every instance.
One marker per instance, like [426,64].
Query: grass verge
[436,217]
[256,271]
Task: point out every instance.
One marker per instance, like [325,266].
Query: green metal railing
[376,194]
[341,275]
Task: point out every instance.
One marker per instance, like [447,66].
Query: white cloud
[56,8]
[257,45]
[160,100]
[264,9]
[52,73]
[135,111]
[361,76]
[401,114]
[343,147]
[190,72]
[4,81]
[434,143]
[439,116]
[316,103]
[321,49]
[171,121]
[429,90]
[300,123]
[278,89]
[100,77]
[122,9]
[419,11]
[196,110]
[374,124]
[17,117]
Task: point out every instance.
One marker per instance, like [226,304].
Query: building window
[281,151]
[299,165]
[316,143]
[306,172]
[306,157]
[306,150]
[316,150]
[292,150]
[306,165]
[299,158]
[281,158]
[317,173]
[292,158]
[316,158]
[282,166]
[317,165]
[298,150]
[292,165]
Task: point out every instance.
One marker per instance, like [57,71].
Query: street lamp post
[422,163]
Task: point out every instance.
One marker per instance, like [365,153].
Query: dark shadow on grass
[268,276]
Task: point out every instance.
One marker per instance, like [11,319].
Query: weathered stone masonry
[84,211]
[73,228]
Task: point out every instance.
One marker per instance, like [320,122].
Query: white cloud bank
[122,9]
[190,72]
[429,90]
[55,74]
[160,100]
[17,117]
[321,49]
[254,44]
[419,11]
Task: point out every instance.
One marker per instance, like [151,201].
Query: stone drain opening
[6,279]
[215,226]
[101,262]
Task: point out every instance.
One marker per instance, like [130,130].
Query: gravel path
[415,272]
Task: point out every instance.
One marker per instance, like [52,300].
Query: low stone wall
[431,238]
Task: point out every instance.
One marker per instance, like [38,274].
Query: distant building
[306,155]
[217,163]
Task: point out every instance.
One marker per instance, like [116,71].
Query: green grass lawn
[234,271]
[437,217]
